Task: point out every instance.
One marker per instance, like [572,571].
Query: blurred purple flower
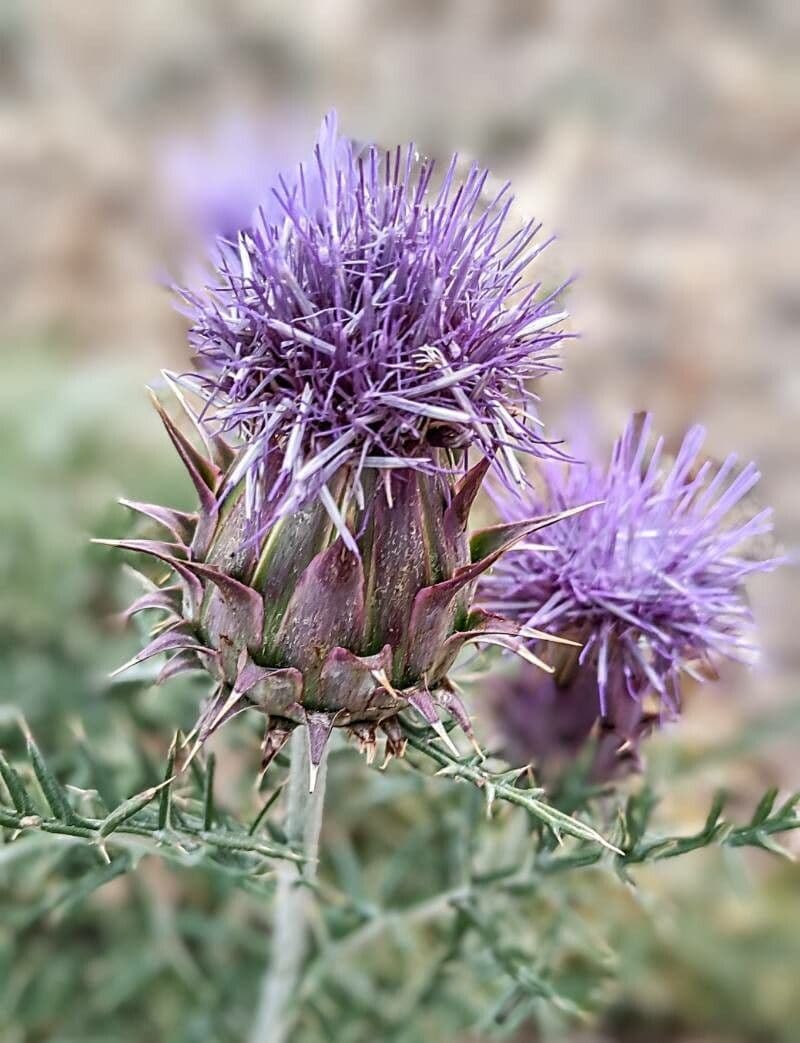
[367,317]
[552,720]
[650,582]
[218,185]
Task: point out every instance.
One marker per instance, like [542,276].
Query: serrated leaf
[558,821]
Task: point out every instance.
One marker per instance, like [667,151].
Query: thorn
[511,645]
[423,703]
[477,747]
[542,635]
[313,771]
[447,696]
[275,737]
[189,736]
[384,682]
[441,731]
[195,750]
[229,703]
[318,730]
[448,771]
[23,726]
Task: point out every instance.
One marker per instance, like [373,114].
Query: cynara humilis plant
[367,349]
[650,584]
[369,330]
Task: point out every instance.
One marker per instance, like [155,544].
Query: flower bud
[314,629]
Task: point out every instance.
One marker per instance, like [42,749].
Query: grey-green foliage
[162,818]
[474,861]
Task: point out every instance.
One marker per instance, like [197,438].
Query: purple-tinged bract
[650,581]
[308,631]
[370,315]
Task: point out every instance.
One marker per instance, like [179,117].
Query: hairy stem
[276,1013]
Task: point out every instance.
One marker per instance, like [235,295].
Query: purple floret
[370,317]
[650,581]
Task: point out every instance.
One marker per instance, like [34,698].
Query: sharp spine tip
[313,771]
[441,731]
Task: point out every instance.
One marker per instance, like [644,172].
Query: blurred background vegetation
[662,144]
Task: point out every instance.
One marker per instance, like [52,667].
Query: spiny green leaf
[165,801]
[788,807]
[128,808]
[638,811]
[208,792]
[712,822]
[20,797]
[54,793]
[267,805]
[769,843]
[479,775]
[765,806]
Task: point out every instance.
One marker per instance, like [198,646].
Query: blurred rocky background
[660,142]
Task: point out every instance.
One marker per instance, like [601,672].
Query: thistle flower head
[363,333]
[368,316]
[650,581]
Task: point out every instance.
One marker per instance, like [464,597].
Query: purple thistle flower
[366,318]
[650,581]
[364,333]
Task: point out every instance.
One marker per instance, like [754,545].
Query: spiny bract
[308,631]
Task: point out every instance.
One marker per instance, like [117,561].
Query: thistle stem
[275,1016]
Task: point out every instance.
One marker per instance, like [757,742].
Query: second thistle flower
[650,582]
